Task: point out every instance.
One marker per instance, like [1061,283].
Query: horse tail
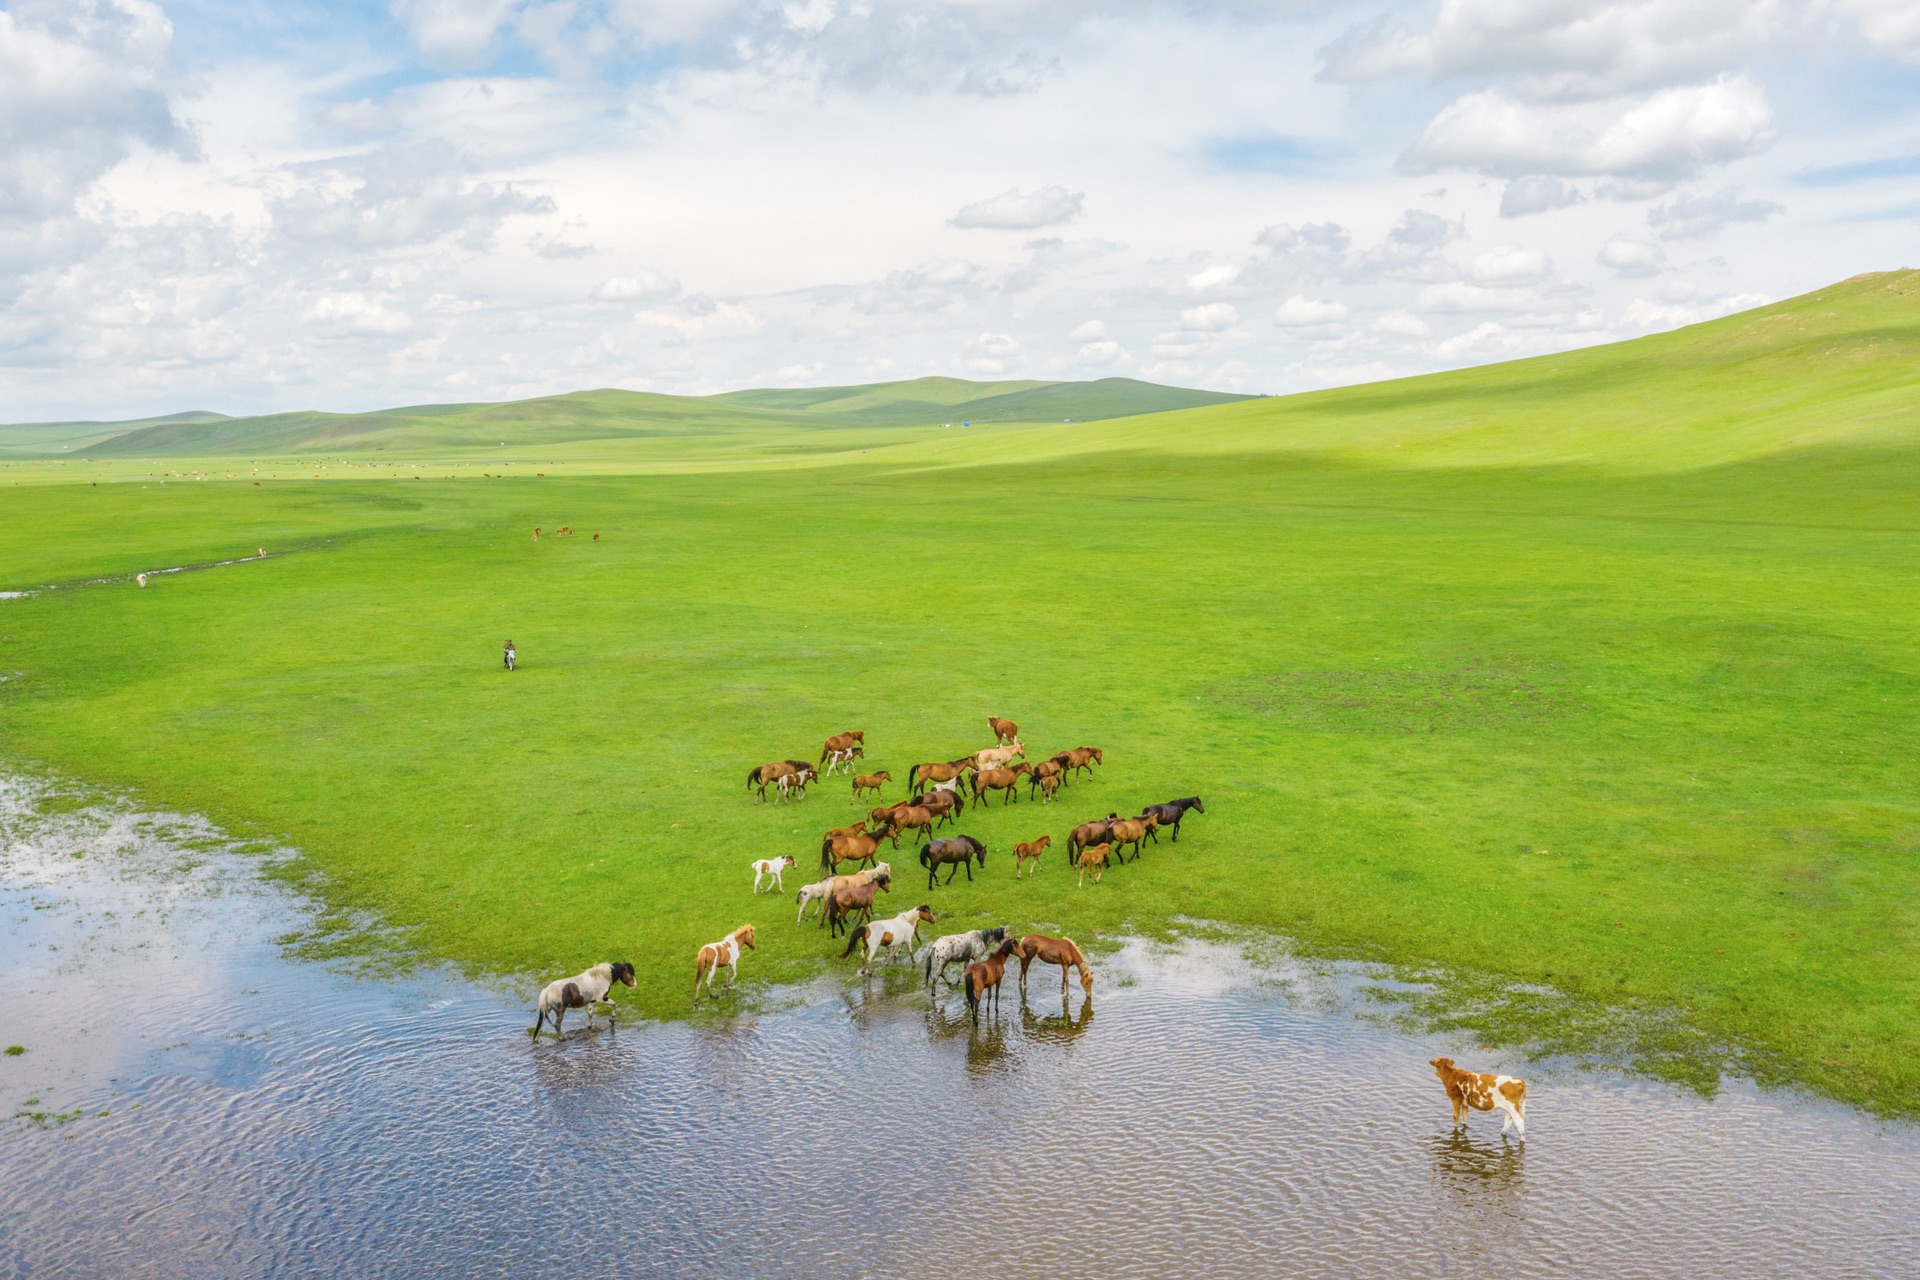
[926,852]
[826,855]
[753,776]
[973,995]
[854,939]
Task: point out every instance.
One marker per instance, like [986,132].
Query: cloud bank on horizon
[251,207]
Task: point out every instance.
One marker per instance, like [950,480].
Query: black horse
[1171,813]
[959,850]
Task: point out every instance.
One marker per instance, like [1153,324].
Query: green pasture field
[1597,675]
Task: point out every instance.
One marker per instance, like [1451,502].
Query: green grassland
[1597,672]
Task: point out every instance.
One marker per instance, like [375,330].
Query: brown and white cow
[1483,1091]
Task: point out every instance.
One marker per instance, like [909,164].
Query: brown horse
[1093,858]
[843,742]
[851,829]
[1048,785]
[983,979]
[870,782]
[1061,951]
[1003,730]
[937,771]
[861,846]
[913,817]
[1007,780]
[1131,831]
[1083,758]
[849,900]
[1089,833]
[767,774]
[1053,767]
[1030,849]
[945,804]
[961,851]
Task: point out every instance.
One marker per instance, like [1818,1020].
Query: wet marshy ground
[193,1103]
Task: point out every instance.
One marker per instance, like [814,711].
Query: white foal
[901,930]
[770,869]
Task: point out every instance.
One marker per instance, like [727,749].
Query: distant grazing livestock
[860,846]
[141,578]
[843,742]
[937,771]
[1007,780]
[510,656]
[767,774]
[793,786]
[1089,833]
[587,991]
[855,899]
[1483,1092]
[1130,831]
[1171,814]
[983,979]
[960,851]
[1003,730]
[870,782]
[1048,785]
[1061,951]
[898,931]
[1093,858]
[912,817]
[1082,758]
[959,948]
[1030,849]
[724,952]
[998,757]
[770,869]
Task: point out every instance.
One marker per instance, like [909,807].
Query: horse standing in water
[1064,952]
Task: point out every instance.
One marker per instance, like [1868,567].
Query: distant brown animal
[1131,831]
[1061,951]
[913,817]
[1089,833]
[870,782]
[1082,758]
[1007,780]
[842,742]
[1003,730]
[1483,1092]
[849,900]
[1031,849]
[861,846]
[1094,859]
[983,979]
[937,771]
[1047,784]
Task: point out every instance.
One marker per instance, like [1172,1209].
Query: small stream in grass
[193,1103]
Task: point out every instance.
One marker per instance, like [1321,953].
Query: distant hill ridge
[608,414]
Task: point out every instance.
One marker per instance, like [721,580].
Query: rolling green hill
[608,415]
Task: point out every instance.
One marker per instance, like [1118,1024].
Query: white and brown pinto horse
[724,952]
[586,991]
[770,869]
[899,931]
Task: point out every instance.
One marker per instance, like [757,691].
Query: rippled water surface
[199,1106]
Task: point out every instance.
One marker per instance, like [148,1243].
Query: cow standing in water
[510,655]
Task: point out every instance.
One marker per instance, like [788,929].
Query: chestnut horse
[1089,833]
[1007,780]
[843,742]
[1083,758]
[1003,730]
[849,900]
[764,776]
[937,771]
[1048,786]
[913,817]
[1061,951]
[983,978]
[869,782]
[1030,849]
[861,846]
[945,804]
[1092,858]
[1125,831]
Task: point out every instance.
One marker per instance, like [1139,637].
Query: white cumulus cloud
[1688,217]
[1213,317]
[1631,259]
[1309,313]
[1016,210]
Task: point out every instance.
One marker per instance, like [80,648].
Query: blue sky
[264,206]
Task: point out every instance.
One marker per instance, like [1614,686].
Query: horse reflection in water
[1062,1028]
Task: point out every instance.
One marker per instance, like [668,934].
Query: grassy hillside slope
[1609,692]
[603,416]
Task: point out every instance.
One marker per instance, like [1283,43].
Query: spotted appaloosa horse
[959,948]
[587,991]
[1482,1091]
[724,952]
